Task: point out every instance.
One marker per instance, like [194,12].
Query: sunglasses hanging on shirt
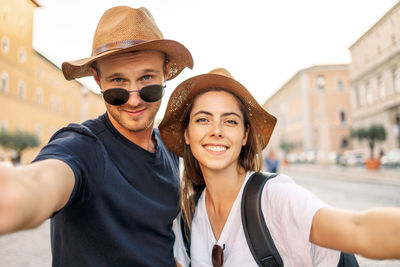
[217,255]
[119,96]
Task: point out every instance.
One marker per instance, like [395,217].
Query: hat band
[116,45]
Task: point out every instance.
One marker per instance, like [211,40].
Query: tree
[286,147]
[19,141]
[372,135]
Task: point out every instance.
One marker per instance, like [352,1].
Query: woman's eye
[232,122]
[201,120]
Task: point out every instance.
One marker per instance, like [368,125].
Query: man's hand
[31,194]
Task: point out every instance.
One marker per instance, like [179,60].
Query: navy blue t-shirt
[123,203]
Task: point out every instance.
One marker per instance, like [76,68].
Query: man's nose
[134,97]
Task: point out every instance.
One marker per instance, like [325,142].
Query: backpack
[258,237]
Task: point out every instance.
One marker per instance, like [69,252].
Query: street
[342,188]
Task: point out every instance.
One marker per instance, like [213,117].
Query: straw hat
[124,29]
[172,125]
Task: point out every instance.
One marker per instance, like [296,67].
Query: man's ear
[95,75]
[185,134]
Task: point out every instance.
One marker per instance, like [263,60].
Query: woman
[219,129]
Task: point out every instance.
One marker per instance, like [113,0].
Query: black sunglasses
[217,256]
[119,96]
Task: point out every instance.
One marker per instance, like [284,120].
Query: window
[320,82]
[22,54]
[340,85]
[5,44]
[39,96]
[381,88]
[4,83]
[21,89]
[343,117]
[369,93]
[357,97]
[396,80]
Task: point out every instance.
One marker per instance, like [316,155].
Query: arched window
[4,83]
[39,96]
[5,44]
[22,54]
[342,117]
[21,89]
[340,85]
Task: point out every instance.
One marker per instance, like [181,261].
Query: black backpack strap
[255,229]
[347,260]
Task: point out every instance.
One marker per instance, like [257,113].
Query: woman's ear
[246,135]
[185,134]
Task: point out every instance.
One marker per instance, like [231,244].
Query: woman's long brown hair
[193,181]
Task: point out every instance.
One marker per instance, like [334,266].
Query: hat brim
[172,126]
[178,56]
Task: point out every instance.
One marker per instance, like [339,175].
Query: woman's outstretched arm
[374,233]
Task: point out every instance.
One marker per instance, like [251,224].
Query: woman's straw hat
[124,29]
[172,125]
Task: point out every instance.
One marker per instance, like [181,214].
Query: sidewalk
[383,175]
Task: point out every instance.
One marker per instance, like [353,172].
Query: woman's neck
[221,191]
[223,185]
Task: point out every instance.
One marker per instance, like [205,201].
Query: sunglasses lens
[152,93]
[217,256]
[116,96]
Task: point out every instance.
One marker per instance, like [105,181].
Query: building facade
[34,95]
[314,114]
[375,79]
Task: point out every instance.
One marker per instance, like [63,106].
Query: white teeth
[216,148]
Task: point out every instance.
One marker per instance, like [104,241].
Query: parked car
[392,158]
[352,158]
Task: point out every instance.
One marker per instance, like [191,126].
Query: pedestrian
[219,129]
[109,184]
[271,162]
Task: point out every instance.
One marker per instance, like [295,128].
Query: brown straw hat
[124,29]
[172,125]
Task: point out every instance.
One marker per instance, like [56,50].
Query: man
[109,185]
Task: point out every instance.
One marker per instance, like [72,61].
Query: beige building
[34,96]
[313,112]
[375,78]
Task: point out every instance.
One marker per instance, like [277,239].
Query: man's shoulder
[87,129]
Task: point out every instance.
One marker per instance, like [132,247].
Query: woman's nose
[216,129]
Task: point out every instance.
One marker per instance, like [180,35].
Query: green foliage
[286,146]
[19,141]
[373,134]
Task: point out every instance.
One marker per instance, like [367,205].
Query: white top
[288,211]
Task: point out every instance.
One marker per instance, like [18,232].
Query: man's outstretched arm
[31,194]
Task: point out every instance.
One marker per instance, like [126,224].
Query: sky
[262,43]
